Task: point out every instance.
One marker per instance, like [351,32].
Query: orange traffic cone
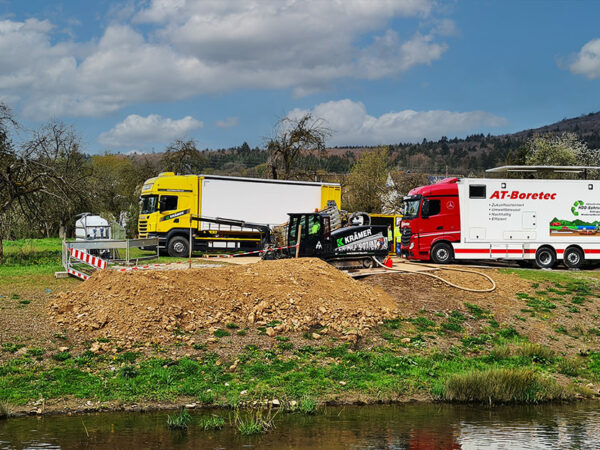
[388,262]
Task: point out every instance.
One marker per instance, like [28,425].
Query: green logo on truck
[575,207]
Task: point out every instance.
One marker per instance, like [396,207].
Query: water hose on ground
[446,281]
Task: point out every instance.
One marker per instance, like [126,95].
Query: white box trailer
[259,200]
[542,220]
[169,201]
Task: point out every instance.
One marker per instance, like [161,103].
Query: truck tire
[178,247]
[573,258]
[442,253]
[545,258]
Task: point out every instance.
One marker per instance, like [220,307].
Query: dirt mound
[156,305]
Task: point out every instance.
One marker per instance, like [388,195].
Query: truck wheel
[573,258]
[367,263]
[178,247]
[545,258]
[442,253]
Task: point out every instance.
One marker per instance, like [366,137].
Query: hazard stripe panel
[85,257]
[78,274]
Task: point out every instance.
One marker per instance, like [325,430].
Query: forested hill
[471,155]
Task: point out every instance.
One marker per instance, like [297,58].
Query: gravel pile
[155,306]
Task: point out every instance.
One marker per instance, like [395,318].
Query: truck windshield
[411,208]
[148,204]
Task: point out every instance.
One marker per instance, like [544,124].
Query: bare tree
[295,138]
[18,177]
[55,148]
[182,157]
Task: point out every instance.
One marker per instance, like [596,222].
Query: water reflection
[373,427]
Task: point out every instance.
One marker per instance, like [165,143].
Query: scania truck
[537,220]
[169,201]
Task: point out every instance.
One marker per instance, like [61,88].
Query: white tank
[89,227]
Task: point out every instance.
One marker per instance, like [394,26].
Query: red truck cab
[431,222]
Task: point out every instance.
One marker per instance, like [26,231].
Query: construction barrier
[77,274]
[88,259]
[78,253]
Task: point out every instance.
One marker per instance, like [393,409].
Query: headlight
[411,246]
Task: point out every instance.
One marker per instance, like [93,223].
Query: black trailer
[352,245]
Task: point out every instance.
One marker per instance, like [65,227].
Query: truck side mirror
[425,208]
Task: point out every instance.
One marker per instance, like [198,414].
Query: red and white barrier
[77,274]
[85,257]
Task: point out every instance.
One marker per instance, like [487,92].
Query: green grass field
[36,256]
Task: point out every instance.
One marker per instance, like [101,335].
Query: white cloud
[137,130]
[389,56]
[351,125]
[229,122]
[195,47]
[587,61]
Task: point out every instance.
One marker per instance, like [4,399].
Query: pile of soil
[296,294]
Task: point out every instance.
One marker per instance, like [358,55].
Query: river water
[412,426]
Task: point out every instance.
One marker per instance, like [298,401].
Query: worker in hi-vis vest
[315,228]
[390,237]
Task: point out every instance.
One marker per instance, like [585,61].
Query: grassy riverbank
[540,344]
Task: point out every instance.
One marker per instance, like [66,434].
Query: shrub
[256,422]
[476,311]
[212,423]
[308,406]
[508,333]
[285,345]
[569,367]
[392,324]
[61,356]
[452,325]
[501,352]
[179,421]
[232,326]
[128,372]
[221,333]
[537,352]
[11,348]
[561,329]
[502,386]
[35,352]
[206,398]
[422,323]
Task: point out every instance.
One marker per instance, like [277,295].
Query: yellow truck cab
[168,202]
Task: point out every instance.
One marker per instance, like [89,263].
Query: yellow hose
[446,281]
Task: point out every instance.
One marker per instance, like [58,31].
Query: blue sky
[136,75]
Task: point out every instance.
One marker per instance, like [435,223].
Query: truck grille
[406,234]
[142,226]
